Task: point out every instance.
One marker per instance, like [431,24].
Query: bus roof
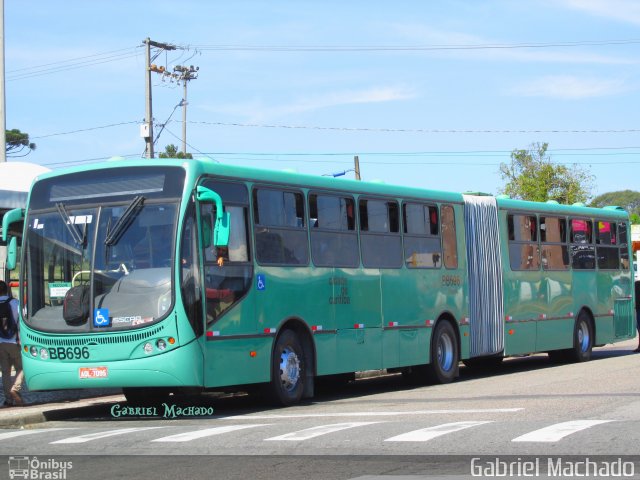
[202,166]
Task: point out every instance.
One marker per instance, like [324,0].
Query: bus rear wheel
[582,339]
[444,354]
[288,370]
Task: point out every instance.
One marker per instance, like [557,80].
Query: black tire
[288,370]
[444,354]
[582,339]
[146,396]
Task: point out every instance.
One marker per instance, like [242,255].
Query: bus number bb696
[69,353]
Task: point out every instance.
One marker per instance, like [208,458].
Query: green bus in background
[170,276]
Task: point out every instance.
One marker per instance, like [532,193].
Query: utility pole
[3,97]
[147,129]
[356,167]
[185,74]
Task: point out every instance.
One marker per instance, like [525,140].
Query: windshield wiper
[78,237]
[114,234]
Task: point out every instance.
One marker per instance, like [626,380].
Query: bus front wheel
[288,369]
[444,354]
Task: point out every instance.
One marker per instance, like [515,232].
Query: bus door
[525,304]
[360,333]
[229,306]
[555,326]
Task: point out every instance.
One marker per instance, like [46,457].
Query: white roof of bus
[15,181]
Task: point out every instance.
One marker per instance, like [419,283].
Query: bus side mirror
[12,216]
[223,219]
[12,253]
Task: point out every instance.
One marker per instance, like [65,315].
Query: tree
[532,175]
[17,141]
[627,199]
[171,151]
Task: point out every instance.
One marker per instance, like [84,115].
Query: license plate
[93,372]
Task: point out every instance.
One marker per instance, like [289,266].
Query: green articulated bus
[169,276]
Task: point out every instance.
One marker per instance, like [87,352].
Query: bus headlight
[44,354]
[33,351]
[161,344]
[148,348]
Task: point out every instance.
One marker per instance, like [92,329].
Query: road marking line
[313,432]
[426,434]
[19,433]
[374,414]
[97,436]
[556,432]
[207,432]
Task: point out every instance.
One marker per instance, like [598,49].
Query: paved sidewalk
[19,417]
[37,404]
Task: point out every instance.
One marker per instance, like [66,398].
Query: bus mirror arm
[12,216]
[221,229]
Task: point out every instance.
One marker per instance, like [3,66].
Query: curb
[20,417]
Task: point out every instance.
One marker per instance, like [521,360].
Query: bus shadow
[242,403]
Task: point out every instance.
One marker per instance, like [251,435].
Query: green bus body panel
[180,367]
[356,319]
[544,304]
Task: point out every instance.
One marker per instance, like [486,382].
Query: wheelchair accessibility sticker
[261,282]
[101,317]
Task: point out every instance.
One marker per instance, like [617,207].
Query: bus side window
[624,246]
[583,255]
[553,236]
[524,252]
[449,241]
[607,249]
[281,233]
[334,241]
[380,241]
[421,241]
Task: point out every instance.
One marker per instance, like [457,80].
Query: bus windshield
[101,262]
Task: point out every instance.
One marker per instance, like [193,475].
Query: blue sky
[433,94]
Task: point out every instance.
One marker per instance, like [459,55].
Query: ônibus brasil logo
[35,468]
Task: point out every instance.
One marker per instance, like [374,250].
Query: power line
[62,66]
[125,53]
[85,129]
[427,47]
[376,130]
[286,157]
[72,60]
[413,130]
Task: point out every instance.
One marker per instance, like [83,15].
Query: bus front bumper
[182,367]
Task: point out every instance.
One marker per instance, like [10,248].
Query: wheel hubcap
[445,352]
[289,369]
[583,337]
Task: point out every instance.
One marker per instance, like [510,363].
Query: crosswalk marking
[96,436]
[429,433]
[550,433]
[207,432]
[19,433]
[308,433]
[461,411]
[556,432]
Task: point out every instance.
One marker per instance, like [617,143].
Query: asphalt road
[525,414]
